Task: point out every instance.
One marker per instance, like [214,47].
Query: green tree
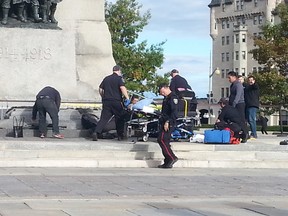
[138,60]
[272,46]
[272,52]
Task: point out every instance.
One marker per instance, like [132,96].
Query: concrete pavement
[143,192]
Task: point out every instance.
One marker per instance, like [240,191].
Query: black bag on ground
[89,121]
[18,127]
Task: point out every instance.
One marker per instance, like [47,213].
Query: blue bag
[216,136]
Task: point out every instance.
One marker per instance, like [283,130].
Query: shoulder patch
[175,101]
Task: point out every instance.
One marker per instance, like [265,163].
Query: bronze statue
[47,10]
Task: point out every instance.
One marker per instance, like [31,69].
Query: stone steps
[34,152]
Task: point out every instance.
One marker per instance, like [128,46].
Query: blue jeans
[251,115]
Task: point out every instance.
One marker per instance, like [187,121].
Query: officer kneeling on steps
[167,122]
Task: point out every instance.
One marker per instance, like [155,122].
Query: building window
[236,55]
[260,19]
[227,40]
[237,38]
[223,41]
[255,3]
[255,35]
[238,20]
[244,55]
[259,69]
[227,57]
[223,7]
[222,92]
[237,70]
[222,73]
[223,24]
[243,20]
[227,24]
[243,71]
[237,5]
[241,4]
[243,38]
[255,20]
[254,70]
[227,71]
[227,92]
[223,57]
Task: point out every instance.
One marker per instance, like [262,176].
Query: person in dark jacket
[251,95]
[263,122]
[48,100]
[167,122]
[180,86]
[111,90]
[229,118]
[236,98]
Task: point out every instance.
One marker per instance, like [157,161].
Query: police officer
[180,86]
[48,100]
[111,89]
[167,122]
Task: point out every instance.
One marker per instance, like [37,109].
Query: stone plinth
[74,58]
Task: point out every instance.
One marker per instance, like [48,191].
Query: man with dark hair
[48,100]
[111,90]
[236,98]
[251,93]
[229,118]
[167,123]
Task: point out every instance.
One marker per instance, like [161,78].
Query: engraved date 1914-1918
[26,54]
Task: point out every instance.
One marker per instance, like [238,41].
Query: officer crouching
[167,123]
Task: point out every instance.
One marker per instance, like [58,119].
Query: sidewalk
[143,192]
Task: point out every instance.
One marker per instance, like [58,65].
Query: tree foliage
[272,52]
[272,46]
[139,61]
[273,90]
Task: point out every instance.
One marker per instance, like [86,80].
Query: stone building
[233,25]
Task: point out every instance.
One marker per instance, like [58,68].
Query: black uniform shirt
[169,109]
[111,86]
[179,82]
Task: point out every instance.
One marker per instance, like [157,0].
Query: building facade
[233,26]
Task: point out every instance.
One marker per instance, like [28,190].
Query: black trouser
[241,109]
[47,105]
[164,142]
[109,109]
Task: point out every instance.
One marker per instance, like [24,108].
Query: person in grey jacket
[236,98]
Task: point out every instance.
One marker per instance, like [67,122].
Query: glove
[126,102]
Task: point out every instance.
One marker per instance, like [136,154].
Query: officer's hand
[166,126]
[126,102]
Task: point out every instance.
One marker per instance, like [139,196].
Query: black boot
[52,13]
[5,16]
[20,15]
[35,11]
[44,13]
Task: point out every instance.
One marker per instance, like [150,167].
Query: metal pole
[209,89]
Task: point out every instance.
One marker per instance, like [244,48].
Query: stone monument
[73,58]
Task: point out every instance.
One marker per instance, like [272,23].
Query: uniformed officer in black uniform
[180,86]
[167,122]
[48,100]
[230,118]
[111,89]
